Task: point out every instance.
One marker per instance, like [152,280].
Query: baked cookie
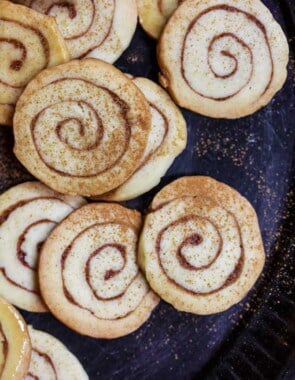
[223,58]
[29,42]
[153,14]
[201,247]
[167,139]
[15,346]
[88,273]
[28,213]
[92,28]
[51,359]
[82,127]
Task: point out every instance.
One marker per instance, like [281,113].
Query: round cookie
[201,247]
[15,346]
[28,213]
[92,28]
[153,14]
[223,58]
[81,127]
[89,276]
[52,360]
[29,42]
[167,139]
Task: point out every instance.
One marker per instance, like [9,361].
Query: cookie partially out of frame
[82,127]
[92,28]
[89,276]
[223,58]
[167,139]
[15,345]
[28,213]
[153,14]
[201,247]
[51,359]
[29,42]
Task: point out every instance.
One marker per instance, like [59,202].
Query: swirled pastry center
[218,63]
[23,229]
[105,281]
[199,248]
[85,25]
[78,137]
[19,61]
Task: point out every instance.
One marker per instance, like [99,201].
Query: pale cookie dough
[223,58]
[89,275]
[201,247]
[28,213]
[52,360]
[82,127]
[167,139]
[29,42]
[92,28]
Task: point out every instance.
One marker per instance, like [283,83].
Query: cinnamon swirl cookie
[167,139]
[92,28]
[28,213]
[52,360]
[82,127]
[88,272]
[29,42]
[15,346]
[223,58]
[153,14]
[201,247]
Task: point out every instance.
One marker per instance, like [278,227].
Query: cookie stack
[222,59]
[30,42]
[200,249]
[86,129]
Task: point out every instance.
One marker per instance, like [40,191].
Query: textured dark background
[254,339]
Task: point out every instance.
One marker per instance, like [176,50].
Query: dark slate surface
[254,339]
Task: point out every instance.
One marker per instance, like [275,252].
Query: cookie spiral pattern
[166,140]
[81,127]
[97,289]
[92,28]
[223,58]
[201,246]
[51,359]
[29,42]
[15,346]
[153,14]
[28,213]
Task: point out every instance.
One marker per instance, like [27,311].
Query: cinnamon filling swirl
[213,50]
[21,47]
[94,28]
[47,364]
[74,135]
[201,246]
[191,240]
[103,268]
[24,253]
